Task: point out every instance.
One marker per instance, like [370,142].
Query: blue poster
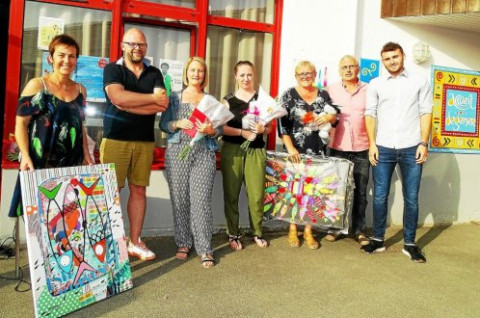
[369,69]
[461,111]
[89,72]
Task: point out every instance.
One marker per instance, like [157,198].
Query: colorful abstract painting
[75,237]
[316,191]
[456,110]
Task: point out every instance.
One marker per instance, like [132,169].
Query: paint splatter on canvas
[316,191]
[75,237]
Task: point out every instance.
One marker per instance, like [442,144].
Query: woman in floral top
[299,128]
[49,125]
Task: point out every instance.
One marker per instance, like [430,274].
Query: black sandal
[262,243]
[235,243]
[207,260]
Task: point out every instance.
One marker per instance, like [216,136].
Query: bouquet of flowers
[208,108]
[11,148]
[264,110]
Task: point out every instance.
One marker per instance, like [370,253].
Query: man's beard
[134,59]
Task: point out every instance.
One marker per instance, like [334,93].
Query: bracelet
[241,132]
[423,143]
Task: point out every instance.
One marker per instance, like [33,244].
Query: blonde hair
[303,64]
[204,65]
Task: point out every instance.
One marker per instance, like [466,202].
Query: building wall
[323,31]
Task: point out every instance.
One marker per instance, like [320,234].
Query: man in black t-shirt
[135,92]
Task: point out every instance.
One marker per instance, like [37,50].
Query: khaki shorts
[132,159]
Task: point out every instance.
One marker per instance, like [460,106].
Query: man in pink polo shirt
[350,140]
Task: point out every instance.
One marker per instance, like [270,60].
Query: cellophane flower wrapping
[217,113]
[264,110]
[316,191]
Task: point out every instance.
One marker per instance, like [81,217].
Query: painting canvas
[316,191]
[75,237]
[456,110]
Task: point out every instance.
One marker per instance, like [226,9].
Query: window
[166,46]
[225,47]
[181,3]
[222,31]
[91,29]
[250,10]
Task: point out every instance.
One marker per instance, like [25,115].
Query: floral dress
[55,134]
[298,123]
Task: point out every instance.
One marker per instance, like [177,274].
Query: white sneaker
[140,251]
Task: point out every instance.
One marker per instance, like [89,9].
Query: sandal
[182,253]
[207,260]
[260,241]
[362,239]
[235,243]
[331,236]
[293,240]
[312,243]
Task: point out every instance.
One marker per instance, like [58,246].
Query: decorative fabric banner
[76,242]
[316,191]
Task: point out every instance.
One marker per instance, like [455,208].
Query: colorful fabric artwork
[75,237]
[317,191]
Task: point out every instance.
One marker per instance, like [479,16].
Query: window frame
[199,16]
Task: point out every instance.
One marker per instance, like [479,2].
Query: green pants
[238,167]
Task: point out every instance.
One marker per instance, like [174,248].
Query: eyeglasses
[305,75]
[133,45]
[348,67]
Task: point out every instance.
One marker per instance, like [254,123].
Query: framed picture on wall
[456,110]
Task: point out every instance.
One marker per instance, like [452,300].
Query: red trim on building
[116,31]
[240,24]
[14,60]
[271,142]
[161,10]
[202,6]
[89,4]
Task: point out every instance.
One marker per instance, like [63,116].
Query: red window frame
[198,15]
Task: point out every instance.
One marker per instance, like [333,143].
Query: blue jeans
[361,171]
[411,173]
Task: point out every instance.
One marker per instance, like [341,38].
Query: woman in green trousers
[243,166]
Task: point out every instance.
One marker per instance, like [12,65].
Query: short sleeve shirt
[122,125]
[296,124]
[239,109]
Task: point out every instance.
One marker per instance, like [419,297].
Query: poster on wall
[48,28]
[369,69]
[89,73]
[456,110]
[75,237]
[172,72]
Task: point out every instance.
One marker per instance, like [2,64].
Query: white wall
[323,31]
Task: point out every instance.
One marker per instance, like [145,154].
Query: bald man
[135,92]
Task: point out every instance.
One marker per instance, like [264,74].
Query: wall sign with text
[456,110]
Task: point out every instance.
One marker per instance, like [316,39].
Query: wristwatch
[423,143]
